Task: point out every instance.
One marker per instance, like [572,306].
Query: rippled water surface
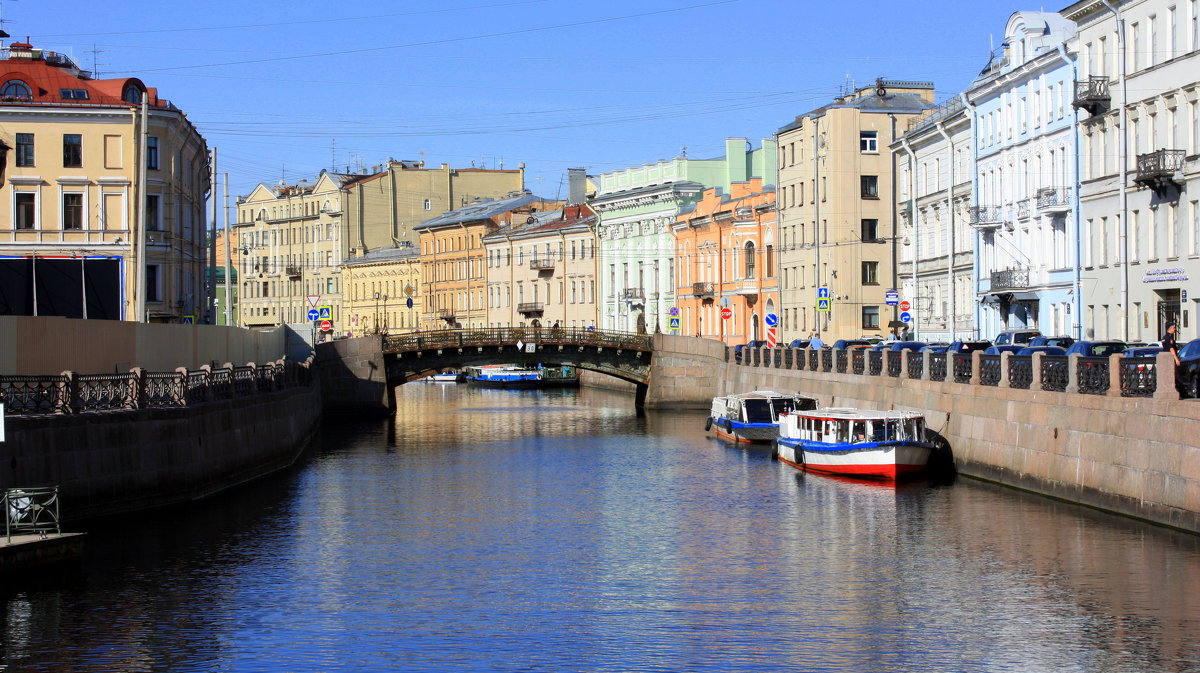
[558,531]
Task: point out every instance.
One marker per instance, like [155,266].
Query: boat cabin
[851,428]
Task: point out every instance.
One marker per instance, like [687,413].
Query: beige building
[73,165]
[382,208]
[541,270]
[290,251]
[836,211]
[382,292]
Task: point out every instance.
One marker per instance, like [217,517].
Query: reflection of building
[289,240]
[220,302]
[73,197]
[725,255]
[1137,95]
[1025,171]
[378,287]
[835,201]
[453,265]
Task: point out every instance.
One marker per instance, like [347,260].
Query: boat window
[783,405]
[877,431]
[843,431]
[892,431]
[859,432]
[917,429]
[829,431]
[757,411]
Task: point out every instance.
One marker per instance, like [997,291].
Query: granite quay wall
[1115,437]
[686,372]
[38,345]
[354,379]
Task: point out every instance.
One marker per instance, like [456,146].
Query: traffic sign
[314,314]
[673,311]
[726,313]
[188,319]
[772,320]
[906,317]
[673,324]
[891,297]
[409,290]
[904,305]
[725,302]
[771,337]
[408,302]
[325,313]
[313,300]
[822,293]
[822,304]
[326,325]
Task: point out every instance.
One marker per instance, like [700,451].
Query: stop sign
[326,325]
[726,313]
[904,306]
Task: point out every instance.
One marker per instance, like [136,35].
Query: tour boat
[854,442]
[510,376]
[753,416]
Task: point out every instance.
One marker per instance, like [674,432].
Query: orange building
[725,254]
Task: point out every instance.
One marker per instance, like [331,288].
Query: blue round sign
[313,314]
[408,302]
[772,320]
[906,317]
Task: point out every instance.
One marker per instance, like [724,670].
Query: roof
[398,254]
[867,99]
[483,209]
[53,78]
[546,223]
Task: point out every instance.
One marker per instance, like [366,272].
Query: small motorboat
[753,416]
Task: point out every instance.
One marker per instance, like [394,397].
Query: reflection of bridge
[622,355]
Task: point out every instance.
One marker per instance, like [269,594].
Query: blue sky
[285,89]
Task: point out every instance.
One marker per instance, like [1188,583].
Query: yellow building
[383,292]
[80,177]
[835,203]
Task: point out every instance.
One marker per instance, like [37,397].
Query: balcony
[541,265]
[1092,95]
[634,295]
[1023,210]
[446,314]
[1052,200]
[987,217]
[1010,279]
[703,290]
[292,271]
[528,307]
[1160,169]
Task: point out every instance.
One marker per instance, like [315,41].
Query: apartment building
[382,292]
[105,212]
[836,210]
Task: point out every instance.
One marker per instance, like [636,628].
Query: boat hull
[749,433]
[872,460]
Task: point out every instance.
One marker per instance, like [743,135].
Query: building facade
[1025,177]
[1138,94]
[382,292]
[725,259]
[103,220]
[836,210]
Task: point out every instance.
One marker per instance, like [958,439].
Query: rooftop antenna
[333,153]
[95,63]
[683,152]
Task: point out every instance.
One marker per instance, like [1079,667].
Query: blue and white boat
[753,416]
[854,442]
[511,376]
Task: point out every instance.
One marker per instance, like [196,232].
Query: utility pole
[210,285]
[140,246]
[228,256]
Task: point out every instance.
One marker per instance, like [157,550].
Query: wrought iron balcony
[1092,95]
[1010,279]
[1160,168]
[636,295]
[1053,200]
[446,314]
[987,217]
[531,307]
[546,264]
[292,271]
[703,290]
[1023,210]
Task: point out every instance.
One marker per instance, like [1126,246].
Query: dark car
[968,346]
[848,344]
[737,350]
[1141,351]
[935,348]
[1020,336]
[902,345]
[1060,341]
[1048,350]
[799,343]
[1096,349]
[1187,376]
[1003,348]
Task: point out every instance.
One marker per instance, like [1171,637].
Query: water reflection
[558,530]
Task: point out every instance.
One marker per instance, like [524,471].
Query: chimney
[576,185]
[736,159]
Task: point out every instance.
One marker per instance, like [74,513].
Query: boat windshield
[783,405]
[757,411]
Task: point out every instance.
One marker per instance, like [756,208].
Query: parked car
[799,343]
[1187,375]
[935,348]
[849,344]
[1048,350]
[1021,336]
[1060,341]
[754,343]
[902,345]
[1141,351]
[1096,349]
[968,346]
[1003,348]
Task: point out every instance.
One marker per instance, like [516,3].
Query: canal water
[488,530]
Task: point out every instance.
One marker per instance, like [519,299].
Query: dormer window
[15,89]
[73,94]
[132,94]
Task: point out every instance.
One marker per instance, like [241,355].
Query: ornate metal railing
[1092,94]
[858,361]
[961,365]
[826,360]
[531,307]
[31,511]
[841,361]
[505,336]
[1092,375]
[1138,377]
[634,294]
[789,356]
[1055,373]
[1159,164]
[814,360]
[71,393]
[1020,371]
[937,366]
[874,363]
[1053,198]
[777,354]
[1010,279]
[703,290]
[893,363]
[989,370]
[916,364]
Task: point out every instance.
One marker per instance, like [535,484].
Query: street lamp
[376,321]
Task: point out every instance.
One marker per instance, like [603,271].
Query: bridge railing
[1113,375]
[72,393]
[505,336]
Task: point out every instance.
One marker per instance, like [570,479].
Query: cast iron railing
[874,363]
[31,511]
[989,370]
[505,336]
[1138,377]
[961,364]
[826,360]
[916,364]
[1020,371]
[937,366]
[858,361]
[814,360]
[1092,375]
[1055,373]
[893,364]
[841,361]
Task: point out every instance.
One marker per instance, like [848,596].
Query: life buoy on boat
[708,424]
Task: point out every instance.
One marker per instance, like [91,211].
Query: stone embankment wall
[354,377]
[686,372]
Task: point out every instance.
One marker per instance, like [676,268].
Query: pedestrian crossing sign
[324,313]
[673,324]
[822,304]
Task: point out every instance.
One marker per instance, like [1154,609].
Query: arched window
[132,93]
[749,259]
[16,89]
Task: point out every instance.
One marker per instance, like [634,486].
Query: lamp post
[376,321]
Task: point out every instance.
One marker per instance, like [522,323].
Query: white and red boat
[854,442]
[753,416]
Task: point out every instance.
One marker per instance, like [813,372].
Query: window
[870,317]
[24,149]
[749,259]
[132,94]
[152,212]
[152,153]
[73,94]
[72,150]
[152,290]
[15,89]
[26,216]
[870,186]
[72,215]
[870,230]
[870,273]
[868,141]
[428,204]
